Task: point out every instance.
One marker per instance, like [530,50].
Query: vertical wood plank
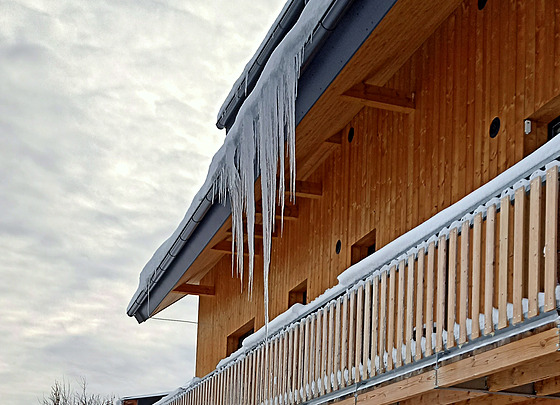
[324,352]
[351,334]
[318,353]
[312,355]
[452,287]
[503,266]
[535,203]
[383,321]
[337,367]
[344,339]
[409,308]
[420,305]
[367,329]
[441,291]
[400,312]
[430,272]
[330,346]
[301,343]
[290,373]
[306,360]
[464,282]
[518,254]
[359,331]
[476,265]
[374,323]
[489,265]
[551,239]
[391,318]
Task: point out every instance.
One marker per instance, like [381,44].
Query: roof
[337,28]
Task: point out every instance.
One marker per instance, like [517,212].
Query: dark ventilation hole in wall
[351,134]
[494,127]
[338,246]
[481,4]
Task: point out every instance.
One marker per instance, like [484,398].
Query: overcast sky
[107,127]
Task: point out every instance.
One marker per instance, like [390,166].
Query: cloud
[107,113]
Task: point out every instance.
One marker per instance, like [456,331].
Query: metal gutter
[283,24]
[345,25]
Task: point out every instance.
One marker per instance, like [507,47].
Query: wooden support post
[476,266]
[452,288]
[551,239]
[383,321]
[430,290]
[503,266]
[441,291]
[464,282]
[518,254]
[489,269]
[367,329]
[359,331]
[336,366]
[330,358]
[391,318]
[400,312]
[351,335]
[374,323]
[409,308]
[419,305]
[535,204]
[344,338]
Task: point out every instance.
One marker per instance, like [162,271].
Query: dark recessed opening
[363,248]
[235,340]
[494,127]
[338,246]
[554,128]
[481,4]
[351,134]
[298,294]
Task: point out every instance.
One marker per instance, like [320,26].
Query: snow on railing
[492,265]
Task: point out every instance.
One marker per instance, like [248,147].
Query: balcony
[478,275]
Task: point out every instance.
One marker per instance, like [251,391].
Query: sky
[107,128]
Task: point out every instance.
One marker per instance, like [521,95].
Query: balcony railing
[490,273]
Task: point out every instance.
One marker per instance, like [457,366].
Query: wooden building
[423,241]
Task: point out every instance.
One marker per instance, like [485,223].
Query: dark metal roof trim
[343,29]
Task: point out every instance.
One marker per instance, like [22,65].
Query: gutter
[344,26]
[283,24]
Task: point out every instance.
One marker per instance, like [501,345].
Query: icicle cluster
[256,144]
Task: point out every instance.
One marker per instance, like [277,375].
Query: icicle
[259,140]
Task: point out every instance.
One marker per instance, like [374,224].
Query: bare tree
[62,393]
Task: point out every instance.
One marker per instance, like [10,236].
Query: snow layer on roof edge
[264,121]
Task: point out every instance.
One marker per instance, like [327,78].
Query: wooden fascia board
[538,369]
[381,98]
[494,361]
[194,289]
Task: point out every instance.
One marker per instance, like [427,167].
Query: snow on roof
[259,129]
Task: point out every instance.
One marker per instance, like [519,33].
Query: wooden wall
[401,169]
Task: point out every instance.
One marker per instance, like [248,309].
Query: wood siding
[400,169]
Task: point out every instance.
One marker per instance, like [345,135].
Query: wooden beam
[291,212]
[258,231]
[496,360]
[335,139]
[441,397]
[497,399]
[193,289]
[308,189]
[549,386]
[534,370]
[400,391]
[225,247]
[381,97]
